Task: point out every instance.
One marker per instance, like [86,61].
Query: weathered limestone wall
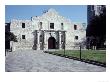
[34,24]
[16,28]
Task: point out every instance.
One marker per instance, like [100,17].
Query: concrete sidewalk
[37,61]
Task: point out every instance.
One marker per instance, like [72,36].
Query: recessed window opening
[51,25]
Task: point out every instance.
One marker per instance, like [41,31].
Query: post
[80,51]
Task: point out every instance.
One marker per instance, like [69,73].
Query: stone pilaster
[45,41]
[60,40]
[38,40]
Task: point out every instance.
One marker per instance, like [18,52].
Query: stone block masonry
[48,31]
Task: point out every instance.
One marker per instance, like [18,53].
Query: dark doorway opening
[51,43]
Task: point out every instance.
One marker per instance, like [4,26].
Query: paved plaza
[38,61]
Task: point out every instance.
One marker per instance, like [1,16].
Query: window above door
[51,25]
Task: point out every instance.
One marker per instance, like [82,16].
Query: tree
[9,36]
[97,28]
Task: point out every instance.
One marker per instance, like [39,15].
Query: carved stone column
[60,40]
[41,39]
[38,40]
[45,41]
[57,39]
[64,40]
[35,40]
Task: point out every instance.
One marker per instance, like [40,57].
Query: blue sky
[76,13]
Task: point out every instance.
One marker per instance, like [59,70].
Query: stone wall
[34,24]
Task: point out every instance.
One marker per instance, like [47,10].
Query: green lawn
[96,55]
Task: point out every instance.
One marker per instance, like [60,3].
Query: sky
[76,13]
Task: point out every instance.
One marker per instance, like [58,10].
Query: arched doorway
[51,43]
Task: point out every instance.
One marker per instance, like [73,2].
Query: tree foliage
[97,28]
[9,36]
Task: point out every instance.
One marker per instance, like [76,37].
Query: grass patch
[95,55]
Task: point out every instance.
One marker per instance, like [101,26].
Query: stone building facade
[48,31]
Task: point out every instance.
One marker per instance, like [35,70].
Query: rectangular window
[62,26]
[75,27]
[23,36]
[40,38]
[40,25]
[23,25]
[76,37]
[51,25]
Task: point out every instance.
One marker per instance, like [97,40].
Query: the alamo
[48,31]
